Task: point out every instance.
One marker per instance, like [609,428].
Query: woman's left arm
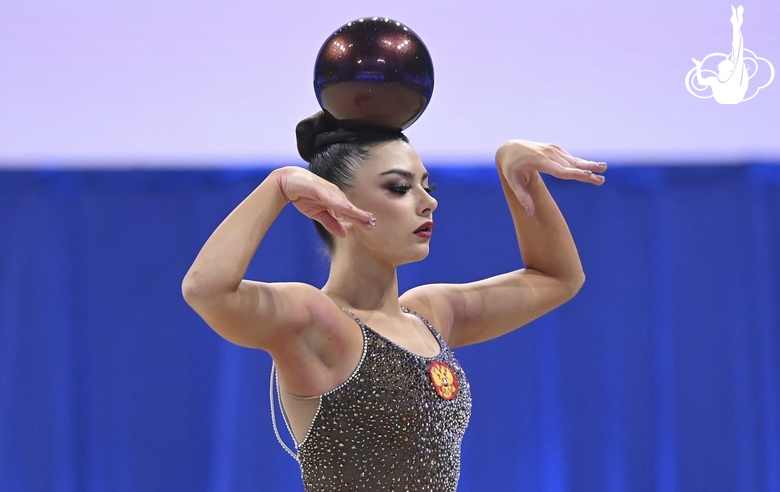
[479,311]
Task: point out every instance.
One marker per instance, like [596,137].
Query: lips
[424,230]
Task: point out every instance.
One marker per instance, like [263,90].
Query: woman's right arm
[260,314]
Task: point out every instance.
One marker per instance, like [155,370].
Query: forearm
[222,262]
[546,244]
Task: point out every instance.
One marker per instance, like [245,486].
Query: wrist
[281,178]
[278,178]
[514,158]
[514,153]
[503,154]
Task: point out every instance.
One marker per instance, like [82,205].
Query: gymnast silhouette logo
[735,70]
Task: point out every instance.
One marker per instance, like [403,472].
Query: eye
[399,188]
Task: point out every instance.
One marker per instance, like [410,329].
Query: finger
[558,148]
[331,223]
[568,167]
[588,176]
[345,209]
[576,161]
[519,188]
[370,224]
[596,179]
[585,164]
[341,208]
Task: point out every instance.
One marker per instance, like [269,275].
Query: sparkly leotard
[394,424]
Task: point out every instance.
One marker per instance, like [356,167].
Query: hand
[696,62]
[321,200]
[517,160]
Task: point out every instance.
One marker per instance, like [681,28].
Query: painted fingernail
[600,177]
[527,211]
[588,171]
[372,222]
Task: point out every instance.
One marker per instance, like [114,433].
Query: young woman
[370,389]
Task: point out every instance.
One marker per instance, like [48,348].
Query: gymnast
[370,388]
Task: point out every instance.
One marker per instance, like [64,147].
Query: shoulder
[430,301]
[314,309]
[274,316]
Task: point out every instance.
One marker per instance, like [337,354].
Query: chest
[407,394]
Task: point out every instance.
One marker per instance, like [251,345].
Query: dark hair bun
[322,130]
[307,130]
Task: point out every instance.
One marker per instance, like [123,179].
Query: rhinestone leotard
[387,427]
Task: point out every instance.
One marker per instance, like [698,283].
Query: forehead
[396,154]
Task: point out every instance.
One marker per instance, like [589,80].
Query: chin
[418,254]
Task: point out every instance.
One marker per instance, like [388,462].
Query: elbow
[189,290]
[574,284]
[571,285]
[193,290]
[203,294]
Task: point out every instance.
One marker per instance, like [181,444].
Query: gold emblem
[444,380]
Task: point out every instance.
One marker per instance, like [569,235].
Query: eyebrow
[404,173]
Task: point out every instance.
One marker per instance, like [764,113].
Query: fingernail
[527,211]
[600,177]
[372,222]
[588,171]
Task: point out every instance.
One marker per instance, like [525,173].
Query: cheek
[382,206]
[392,220]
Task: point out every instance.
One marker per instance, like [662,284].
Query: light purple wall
[224,82]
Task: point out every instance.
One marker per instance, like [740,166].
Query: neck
[359,282]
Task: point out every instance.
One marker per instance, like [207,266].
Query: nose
[427,204]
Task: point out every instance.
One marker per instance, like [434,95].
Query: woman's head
[392,184]
[335,152]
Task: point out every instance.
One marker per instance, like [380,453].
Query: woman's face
[393,185]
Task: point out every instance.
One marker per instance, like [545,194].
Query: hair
[334,149]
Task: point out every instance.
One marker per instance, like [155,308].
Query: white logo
[730,83]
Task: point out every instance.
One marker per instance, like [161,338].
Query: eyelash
[403,188]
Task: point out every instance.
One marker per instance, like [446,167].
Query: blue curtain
[663,374]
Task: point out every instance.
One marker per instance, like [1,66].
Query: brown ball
[374,71]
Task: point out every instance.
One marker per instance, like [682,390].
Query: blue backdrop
[661,375]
